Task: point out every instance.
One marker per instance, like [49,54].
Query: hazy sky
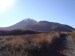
[62,11]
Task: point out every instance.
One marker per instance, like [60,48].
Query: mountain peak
[29,20]
[31,24]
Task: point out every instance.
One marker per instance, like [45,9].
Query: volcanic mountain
[30,24]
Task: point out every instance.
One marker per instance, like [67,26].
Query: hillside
[43,44]
[32,38]
[17,32]
[30,24]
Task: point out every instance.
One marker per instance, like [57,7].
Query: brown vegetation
[43,44]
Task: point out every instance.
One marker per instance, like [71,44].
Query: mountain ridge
[30,24]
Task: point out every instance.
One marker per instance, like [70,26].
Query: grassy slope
[43,44]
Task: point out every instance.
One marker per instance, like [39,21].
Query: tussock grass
[43,44]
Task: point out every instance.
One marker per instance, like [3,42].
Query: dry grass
[73,35]
[46,38]
[23,45]
[17,41]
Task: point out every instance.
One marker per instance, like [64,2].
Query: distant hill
[30,24]
[17,32]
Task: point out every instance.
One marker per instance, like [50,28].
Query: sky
[13,11]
